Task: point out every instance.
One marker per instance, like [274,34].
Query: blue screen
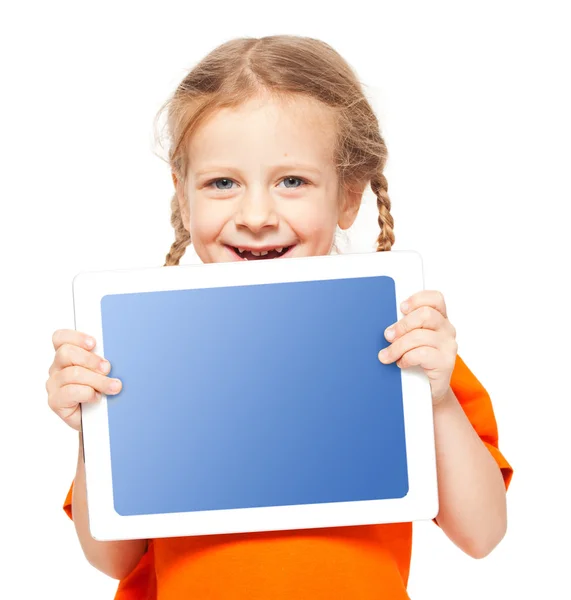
[250,396]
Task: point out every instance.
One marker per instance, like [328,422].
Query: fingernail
[104,366]
[115,385]
[404,306]
[390,333]
[89,342]
[383,354]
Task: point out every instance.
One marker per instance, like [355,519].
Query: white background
[474,105]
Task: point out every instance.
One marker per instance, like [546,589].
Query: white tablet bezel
[421,502]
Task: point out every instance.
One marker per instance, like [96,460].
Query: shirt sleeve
[67,502]
[477,406]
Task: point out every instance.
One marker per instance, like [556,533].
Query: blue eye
[225,183]
[293,180]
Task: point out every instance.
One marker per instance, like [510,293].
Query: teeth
[261,252]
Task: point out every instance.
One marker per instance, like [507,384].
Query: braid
[386,238]
[182,236]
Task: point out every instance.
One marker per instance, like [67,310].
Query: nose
[256,211]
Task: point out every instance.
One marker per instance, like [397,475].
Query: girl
[272,144]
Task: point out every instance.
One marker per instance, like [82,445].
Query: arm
[471,488]
[115,559]
[473,476]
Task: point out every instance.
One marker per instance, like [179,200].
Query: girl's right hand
[76,375]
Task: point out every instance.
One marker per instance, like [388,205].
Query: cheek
[206,220]
[314,220]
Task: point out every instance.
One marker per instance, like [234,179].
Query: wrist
[445,401]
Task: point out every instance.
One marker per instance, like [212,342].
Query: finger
[69,354]
[67,398]
[432,298]
[424,317]
[72,417]
[411,340]
[430,359]
[81,375]
[71,336]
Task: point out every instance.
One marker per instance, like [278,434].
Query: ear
[182,201]
[350,204]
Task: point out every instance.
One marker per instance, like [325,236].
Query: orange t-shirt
[363,562]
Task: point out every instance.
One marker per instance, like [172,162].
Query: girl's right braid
[386,238]
[182,236]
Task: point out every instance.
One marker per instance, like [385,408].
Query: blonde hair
[284,65]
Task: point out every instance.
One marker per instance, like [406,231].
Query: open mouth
[260,254]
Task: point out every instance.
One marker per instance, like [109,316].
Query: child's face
[261,179]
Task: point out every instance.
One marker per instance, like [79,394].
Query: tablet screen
[252,396]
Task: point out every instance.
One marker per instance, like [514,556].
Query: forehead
[298,128]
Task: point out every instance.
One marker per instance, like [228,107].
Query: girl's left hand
[425,337]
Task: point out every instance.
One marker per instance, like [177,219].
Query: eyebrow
[215,168]
[292,167]
[297,167]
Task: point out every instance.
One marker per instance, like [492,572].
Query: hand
[425,337]
[76,375]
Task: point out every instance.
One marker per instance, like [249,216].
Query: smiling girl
[272,144]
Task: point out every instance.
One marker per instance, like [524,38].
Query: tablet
[253,398]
